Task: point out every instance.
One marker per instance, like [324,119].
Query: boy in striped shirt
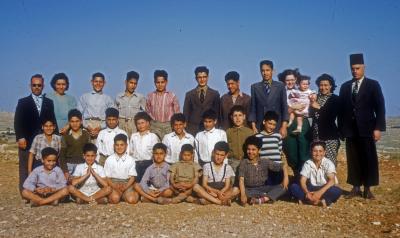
[272,148]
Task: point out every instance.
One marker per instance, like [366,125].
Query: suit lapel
[362,89]
[261,90]
[33,105]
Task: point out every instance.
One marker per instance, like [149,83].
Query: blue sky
[113,37]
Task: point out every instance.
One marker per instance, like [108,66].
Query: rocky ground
[346,218]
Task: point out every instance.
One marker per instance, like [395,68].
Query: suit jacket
[327,129]
[28,121]
[227,104]
[366,113]
[276,101]
[193,109]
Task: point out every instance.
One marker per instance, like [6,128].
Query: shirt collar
[210,131]
[162,165]
[42,170]
[37,96]
[185,136]
[99,93]
[80,132]
[123,157]
[109,130]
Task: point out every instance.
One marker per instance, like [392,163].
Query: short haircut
[160,146]
[98,75]
[132,75]
[49,151]
[89,147]
[74,113]
[201,69]
[237,108]
[37,76]
[253,140]
[271,115]
[178,117]
[57,77]
[187,148]
[267,62]
[318,143]
[45,120]
[121,137]
[209,114]
[326,77]
[282,76]
[112,112]
[160,73]
[303,78]
[232,75]
[142,115]
[221,146]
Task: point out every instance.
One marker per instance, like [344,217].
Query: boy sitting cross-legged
[88,180]
[154,186]
[120,172]
[46,184]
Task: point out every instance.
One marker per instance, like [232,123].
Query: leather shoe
[369,195]
[354,193]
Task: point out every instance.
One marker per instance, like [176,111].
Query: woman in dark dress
[324,109]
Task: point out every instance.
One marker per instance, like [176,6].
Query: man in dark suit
[30,113]
[199,100]
[268,95]
[361,119]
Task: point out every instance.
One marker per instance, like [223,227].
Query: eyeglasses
[36,85]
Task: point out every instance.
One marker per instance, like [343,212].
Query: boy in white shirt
[88,184]
[206,140]
[120,172]
[105,139]
[142,143]
[177,138]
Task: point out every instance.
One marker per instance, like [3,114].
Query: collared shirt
[318,176]
[62,105]
[174,145]
[206,140]
[198,90]
[236,137]
[161,106]
[40,178]
[40,142]
[94,105]
[120,167]
[227,102]
[129,106]
[105,140]
[359,83]
[256,175]
[71,148]
[271,146]
[142,145]
[155,177]
[90,185]
[214,175]
[184,171]
[38,99]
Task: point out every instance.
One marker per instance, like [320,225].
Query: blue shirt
[62,105]
[94,104]
[40,178]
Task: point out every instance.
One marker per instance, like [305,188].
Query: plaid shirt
[256,175]
[161,106]
[40,142]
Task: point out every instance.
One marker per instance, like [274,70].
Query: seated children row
[166,184]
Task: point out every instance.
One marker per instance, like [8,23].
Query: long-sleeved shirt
[156,176]
[94,105]
[271,146]
[41,178]
[71,149]
[161,106]
[236,137]
[105,140]
[174,145]
[141,146]
[256,175]
[129,106]
[62,105]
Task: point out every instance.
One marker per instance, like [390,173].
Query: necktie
[267,87]
[37,102]
[202,96]
[355,91]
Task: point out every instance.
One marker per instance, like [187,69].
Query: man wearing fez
[361,120]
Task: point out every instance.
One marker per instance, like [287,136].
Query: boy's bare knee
[72,189]
[114,198]
[108,190]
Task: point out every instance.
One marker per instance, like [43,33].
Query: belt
[94,119]
[126,118]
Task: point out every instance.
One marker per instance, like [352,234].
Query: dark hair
[98,75]
[326,77]
[253,140]
[303,78]
[201,69]
[232,75]
[132,75]
[178,117]
[37,76]
[48,151]
[120,137]
[267,62]
[187,148]
[89,147]
[49,120]
[209,114]
[160,73]
[271,115]
[57,77]
[142,115]
[74,113]
[160,146]
[237,108]
[112,112]
[221,146]
[318,143]
[286,72]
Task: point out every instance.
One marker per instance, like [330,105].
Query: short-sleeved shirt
[206,140]
[141,146]
[120,167]
[318,176]
[236,137]
[184,171]
[129,106]
[174,145]
[41,178]
[40,142]
[271,146]
[105,140]
[90,185]
[156,176]
[213,175]
[62,105]
[256,175]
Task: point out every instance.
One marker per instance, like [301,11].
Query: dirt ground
[346,218]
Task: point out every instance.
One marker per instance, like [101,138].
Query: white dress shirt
[206,140]
[174,145]
[122,167]
[142,145]
[318,176]
[105,140]
[90,185]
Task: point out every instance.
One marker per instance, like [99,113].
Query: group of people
[218,149]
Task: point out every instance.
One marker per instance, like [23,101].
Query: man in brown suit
[232,98]
[199,100]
